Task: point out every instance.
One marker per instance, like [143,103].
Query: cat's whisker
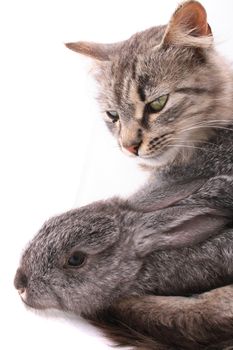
[207,120]
[190,141]
[221,127]
[222,121]
[218,121]
[227,121]
[205,126]
[187,146]
[195,127]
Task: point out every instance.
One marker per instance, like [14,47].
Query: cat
[168,99]
[166,91]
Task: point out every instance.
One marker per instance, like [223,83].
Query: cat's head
[164,90]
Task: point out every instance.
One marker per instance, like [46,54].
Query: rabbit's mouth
[34,305]
[29,304]
[36,293]
[23,295]
[40,302]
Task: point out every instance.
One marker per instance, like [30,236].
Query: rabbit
[89,259]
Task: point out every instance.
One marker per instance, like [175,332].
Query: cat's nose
[133,148]
[20,281]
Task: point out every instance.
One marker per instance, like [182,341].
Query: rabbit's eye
[77,259]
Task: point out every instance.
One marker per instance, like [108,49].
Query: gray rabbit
[92,258]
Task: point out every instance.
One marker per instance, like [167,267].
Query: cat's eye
[158,104]
[113,115]
[76,259]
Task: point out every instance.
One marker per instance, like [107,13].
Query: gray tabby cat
[170,105]
[164,91]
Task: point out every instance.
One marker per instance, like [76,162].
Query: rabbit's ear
[179,227]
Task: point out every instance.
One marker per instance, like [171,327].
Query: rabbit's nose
[20,281]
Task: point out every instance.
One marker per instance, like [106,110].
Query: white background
[56,153]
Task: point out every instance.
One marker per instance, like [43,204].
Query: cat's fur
[172,323]
[180,60]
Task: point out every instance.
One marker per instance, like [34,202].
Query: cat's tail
[123,334]
[171,323]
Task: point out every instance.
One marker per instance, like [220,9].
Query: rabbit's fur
[135,249]
[119,262]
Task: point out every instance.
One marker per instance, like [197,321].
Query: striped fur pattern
[178,60]
[199,85]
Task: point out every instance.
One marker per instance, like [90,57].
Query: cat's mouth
[155,155]
[153,148]
[156,147]
[163,157]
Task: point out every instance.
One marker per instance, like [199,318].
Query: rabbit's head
[79,261]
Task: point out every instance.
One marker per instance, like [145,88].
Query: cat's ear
[189,27]
[99,52]
[178,228]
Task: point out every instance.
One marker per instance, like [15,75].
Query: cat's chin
[150,162]
[154,161]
